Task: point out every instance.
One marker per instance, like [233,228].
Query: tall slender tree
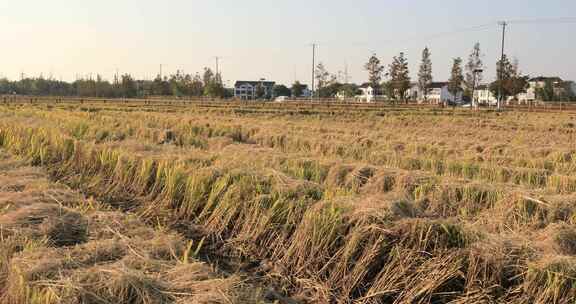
[375,69]
[456,79]
[322,79]
[425,73]
[473,70]
[399,77]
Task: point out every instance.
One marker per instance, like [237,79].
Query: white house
[484,96]
[438,94]
[413,92]
[368,94]
[248,89]
[537,83]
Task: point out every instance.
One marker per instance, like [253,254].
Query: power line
[559,20]
[477,28]
[419,37]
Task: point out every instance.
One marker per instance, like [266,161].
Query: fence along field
[395,205]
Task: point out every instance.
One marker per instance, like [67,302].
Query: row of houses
[560,87]
[438,92]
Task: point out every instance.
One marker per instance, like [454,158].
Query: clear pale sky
[271,38]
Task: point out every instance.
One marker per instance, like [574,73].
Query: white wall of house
[443,95]
[529,95]
[436,95]
[367,94]
[485,96]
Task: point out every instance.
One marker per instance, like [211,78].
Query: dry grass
[56,250]
[336,206]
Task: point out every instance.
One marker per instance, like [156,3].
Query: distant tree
[399,77]
[128,86]
[322,79]
[6,87]
[388,89]
[177,84]
[425,73]
[260,90]
[349,90]
[504,73]
[326,83]
[474,64]
[196,86]
[103,87]
[208,76]
[332,89]
[546,93]
[213,86]
[567,93]
[375,69]
[518,83]
[160,87]
[456,78]
[510,81]
[297,89]
[281,90]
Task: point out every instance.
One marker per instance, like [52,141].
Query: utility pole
[501,74]
[346,72]
[313,67]
[217,58]
[160,72]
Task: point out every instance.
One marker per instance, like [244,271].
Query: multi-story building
[538,83]
[254,89]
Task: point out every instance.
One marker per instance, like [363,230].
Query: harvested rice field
[61,247]
[125,202]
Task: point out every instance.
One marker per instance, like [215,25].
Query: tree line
[463,79]
[179,84]
[394,80]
